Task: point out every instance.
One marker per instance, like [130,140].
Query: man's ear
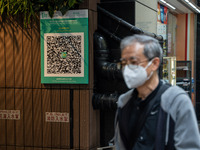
[155,63]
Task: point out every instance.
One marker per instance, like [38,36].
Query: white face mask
[135,76]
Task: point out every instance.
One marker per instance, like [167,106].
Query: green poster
[64,47]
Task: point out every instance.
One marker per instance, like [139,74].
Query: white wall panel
[145,17]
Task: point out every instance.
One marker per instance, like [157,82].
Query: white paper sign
[57,117]
[10,114]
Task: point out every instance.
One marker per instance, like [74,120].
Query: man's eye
[133,62]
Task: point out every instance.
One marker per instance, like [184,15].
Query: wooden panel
[70,86]
[18,53]
[23,71]
[56,125]
[55,86]
[2,58]
[28,148]
[65,86]
[19,148]
[76,121]
[180,37]
[92,27]
[46,86]
[19,124]
[28,113]
[65,127]
[84,4]
[37,148]
[94,124]
[36,54]
[10,123]
[60,149]
[2,147]
[46,107]
[37,117]
[84,119]
[93,4]
[10,148]
[94,116]
[9,54]
[27,54]
[2,122]
[74,86]
[89,4]
[91,51]
[47,149]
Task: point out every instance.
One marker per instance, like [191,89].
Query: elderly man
[152,115]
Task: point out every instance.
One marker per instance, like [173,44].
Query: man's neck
[148,87]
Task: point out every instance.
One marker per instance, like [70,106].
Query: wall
[192,41]
[146,17]
[182,53]
[171,31]
[21,89]
[180,37]
[185,40]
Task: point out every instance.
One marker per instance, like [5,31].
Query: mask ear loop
[151,71]
[148,64]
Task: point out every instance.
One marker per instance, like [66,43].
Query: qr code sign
[64,54]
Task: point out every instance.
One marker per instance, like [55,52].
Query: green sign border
[75,21]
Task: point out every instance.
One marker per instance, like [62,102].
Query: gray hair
[152,47]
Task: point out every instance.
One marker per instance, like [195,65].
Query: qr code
[64,54]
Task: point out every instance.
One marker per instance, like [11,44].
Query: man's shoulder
[173,91]
[173,96]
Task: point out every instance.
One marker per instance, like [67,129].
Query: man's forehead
[135,47]
[136,51]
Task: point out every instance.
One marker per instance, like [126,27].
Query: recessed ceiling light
[169,5]
[190,5]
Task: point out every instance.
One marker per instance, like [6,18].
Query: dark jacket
[175,104]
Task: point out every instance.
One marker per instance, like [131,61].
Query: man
[151,115]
